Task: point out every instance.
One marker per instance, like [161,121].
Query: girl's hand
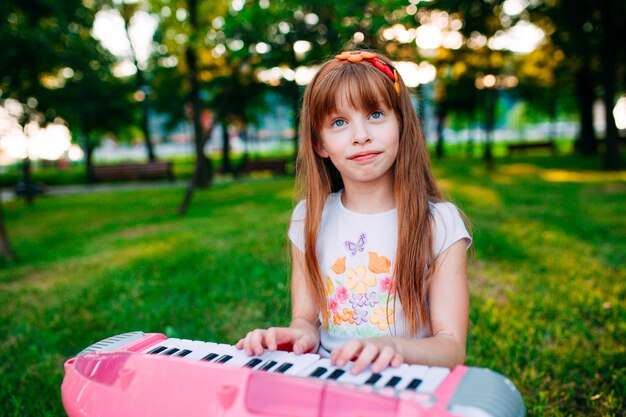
[299,340]
[378,352]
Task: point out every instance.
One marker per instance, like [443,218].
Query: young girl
[379,260]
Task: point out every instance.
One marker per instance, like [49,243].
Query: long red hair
[365,87]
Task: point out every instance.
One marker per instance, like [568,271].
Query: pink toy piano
[147,374]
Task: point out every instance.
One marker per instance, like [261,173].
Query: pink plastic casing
[125,383]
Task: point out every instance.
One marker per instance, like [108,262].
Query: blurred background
[90,81]
[524,107]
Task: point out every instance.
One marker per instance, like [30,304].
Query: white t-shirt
[356,253]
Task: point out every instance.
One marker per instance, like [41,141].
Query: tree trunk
[5,246]
[202,174]
[226,163]
[609,74]
[145,114]
[489,126]
[127,11]
[586,143]
[442,113]
[88,156]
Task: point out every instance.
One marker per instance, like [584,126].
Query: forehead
[358,90]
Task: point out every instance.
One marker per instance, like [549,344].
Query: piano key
[433,378]
[373,379]
[253,362]
[393,381]
[301,363]
[391,373]
[210,356]
[183,353]
[283,368]
[223,359]
[415,382]
[318,372]
[321,368]
[199,349]
[335,374]
[267,365]
[358,379]
[170,351]
[157,350]
[409,374]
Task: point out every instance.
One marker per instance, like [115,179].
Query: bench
[277,166]
[133,171]
[527,146]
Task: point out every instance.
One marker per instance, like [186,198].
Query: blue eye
[376,115]
[338,123]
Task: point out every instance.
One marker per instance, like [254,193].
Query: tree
[128,11]
[54,67]
[588,33]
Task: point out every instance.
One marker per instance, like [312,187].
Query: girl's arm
[449,313]
[303,333]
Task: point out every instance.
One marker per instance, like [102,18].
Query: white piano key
[410,373]
[351,379]
[433,378]
[241,358]
[300,362]
[389,373]
[160,347]
[322,363]
[199,350]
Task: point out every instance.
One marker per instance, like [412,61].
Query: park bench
[133,171]
[277,166]
[527,146]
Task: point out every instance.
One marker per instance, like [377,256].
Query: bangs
[360,86]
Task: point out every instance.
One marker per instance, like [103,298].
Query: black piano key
[210,357]
[319,371]
[224,359]
[414,384]
[372,379]
[157,350]
[253,362]
[284,367]
[393,381]
[171,351]
[184,353]
[268,365]
[336,374]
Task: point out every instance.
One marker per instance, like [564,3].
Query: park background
[146,170]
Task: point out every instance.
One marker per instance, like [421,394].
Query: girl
[379,260]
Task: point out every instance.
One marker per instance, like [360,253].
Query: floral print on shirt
[360,295]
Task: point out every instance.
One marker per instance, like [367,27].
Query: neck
[368,199]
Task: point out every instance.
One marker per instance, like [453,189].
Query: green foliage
[547,278]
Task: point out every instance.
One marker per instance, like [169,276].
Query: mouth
[364,156]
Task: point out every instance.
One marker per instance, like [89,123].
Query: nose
[361,134]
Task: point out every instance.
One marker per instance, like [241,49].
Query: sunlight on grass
[560,175]
[477,194]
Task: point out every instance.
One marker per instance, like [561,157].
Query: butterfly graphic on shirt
[353,248]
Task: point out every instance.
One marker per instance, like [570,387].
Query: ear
[320,150]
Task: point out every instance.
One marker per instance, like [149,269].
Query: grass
[547,279]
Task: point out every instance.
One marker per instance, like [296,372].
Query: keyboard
[135,374]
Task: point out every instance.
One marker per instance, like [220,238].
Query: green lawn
[547,278]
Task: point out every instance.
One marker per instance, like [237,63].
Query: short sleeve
[296,226]
[449,227]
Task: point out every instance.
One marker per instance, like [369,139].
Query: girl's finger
[368,354]
[397,360]
[383,360]
[255,342]
[341,355]
[270,339]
